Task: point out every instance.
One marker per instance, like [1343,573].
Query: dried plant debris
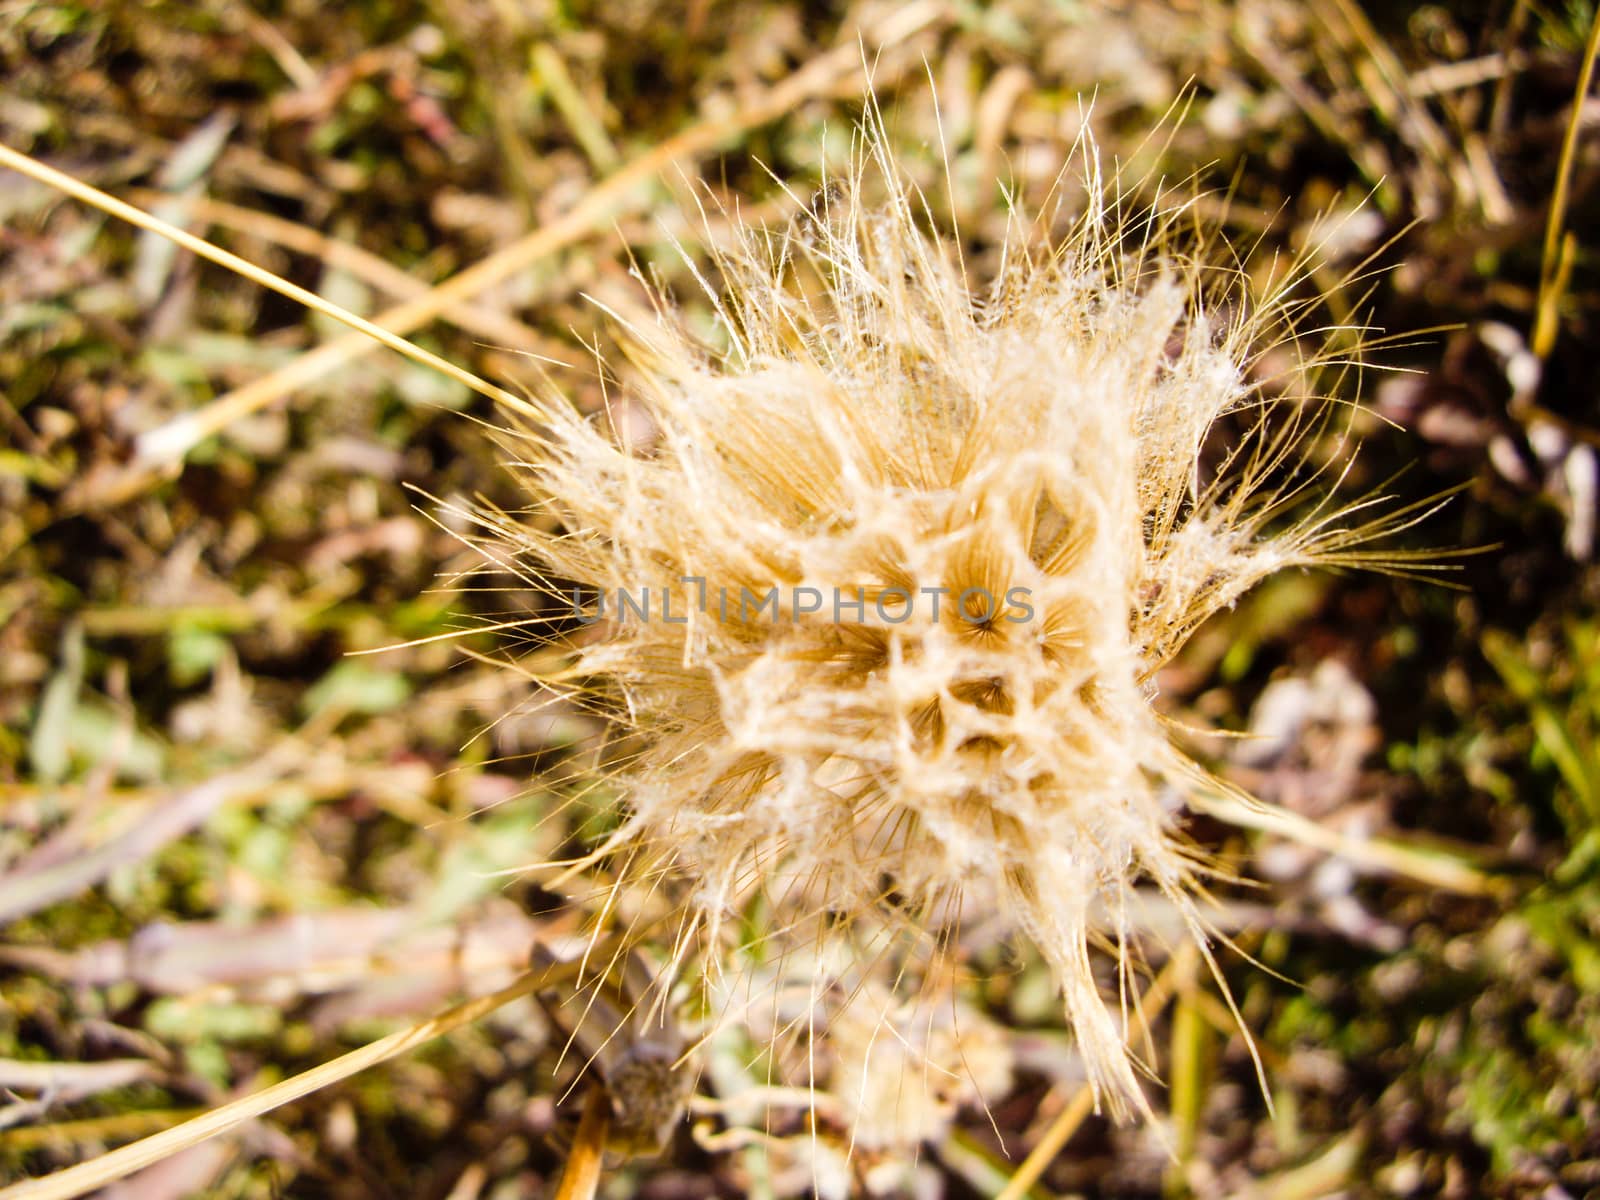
[845,903]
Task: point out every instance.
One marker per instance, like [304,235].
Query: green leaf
[355,687]
[1575,762]
[50,745]
[193,652]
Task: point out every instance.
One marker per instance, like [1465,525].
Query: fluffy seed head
[910,555]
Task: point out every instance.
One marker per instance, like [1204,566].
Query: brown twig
[25,891]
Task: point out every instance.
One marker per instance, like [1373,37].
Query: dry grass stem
[163,449]
[1078,1109]
[119,1163]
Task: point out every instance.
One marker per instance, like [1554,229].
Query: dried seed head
[884,603]
[901,1072]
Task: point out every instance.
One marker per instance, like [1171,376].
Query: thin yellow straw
[107,1168]
[79,190]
